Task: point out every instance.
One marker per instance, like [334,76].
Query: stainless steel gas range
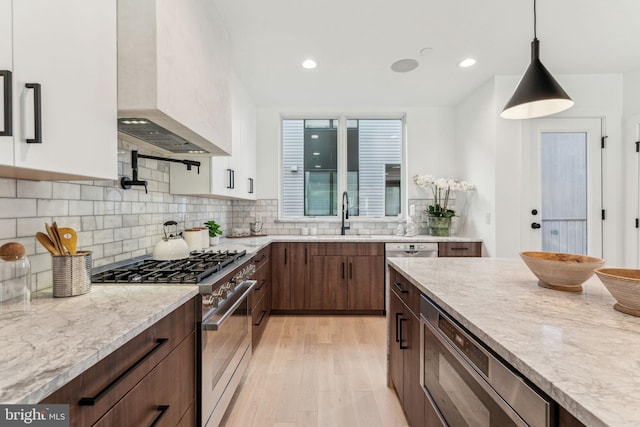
[224,341]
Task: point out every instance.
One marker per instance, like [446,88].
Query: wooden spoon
[53,235]
[69,238]
[47,243]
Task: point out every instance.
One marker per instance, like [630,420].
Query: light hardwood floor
[318,371]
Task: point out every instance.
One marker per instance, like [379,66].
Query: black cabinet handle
[162,410]
[264,312]
[305,256]
[90,401]
[233,179]
[402,347]
[250,185]
[398,285]
[350,270]
[229,178]
[343,270]
[37,113]
[8,103]
[397,327]
[458,249]
[285,256]
[258,261]
[261,285]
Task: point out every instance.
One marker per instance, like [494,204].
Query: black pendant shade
[538,93]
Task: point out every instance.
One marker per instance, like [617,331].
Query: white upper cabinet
[64,89]
[227,177]
[174,65]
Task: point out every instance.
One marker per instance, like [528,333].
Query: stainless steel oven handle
[214,326]
[477,377]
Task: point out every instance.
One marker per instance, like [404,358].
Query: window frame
[342,162]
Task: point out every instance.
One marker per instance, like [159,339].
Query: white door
[564,186]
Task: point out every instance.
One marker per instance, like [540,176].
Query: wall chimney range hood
[174,71]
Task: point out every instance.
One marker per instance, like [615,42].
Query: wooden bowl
[561,272]
[624,285]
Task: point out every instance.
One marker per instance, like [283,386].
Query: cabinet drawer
[262,257]
[351,249]
[408,293]
[114,376]
[163,396]
[260,315]
[460,249]
[263,279]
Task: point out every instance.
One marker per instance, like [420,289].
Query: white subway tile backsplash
[28,227]
[80,207]
[53,207]
[89,192]
[103,236]
[113,221]
[65,190]
[34,189]
[112,249]
[8,187]
[40,262]
[122,233]
[7,228]
[18,208]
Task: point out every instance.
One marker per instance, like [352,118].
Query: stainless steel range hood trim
[173,126]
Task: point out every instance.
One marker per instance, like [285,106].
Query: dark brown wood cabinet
[290,274]
[404,349]
[347,276]
[460,249]
[135,383]
[260,298]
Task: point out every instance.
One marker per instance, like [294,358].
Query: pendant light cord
[535,34]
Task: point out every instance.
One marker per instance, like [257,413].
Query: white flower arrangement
[441,188]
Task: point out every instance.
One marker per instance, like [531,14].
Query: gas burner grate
[191,270]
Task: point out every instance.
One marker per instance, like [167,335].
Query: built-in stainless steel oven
[225,350]
[470,386]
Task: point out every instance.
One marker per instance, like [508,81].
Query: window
[321,158]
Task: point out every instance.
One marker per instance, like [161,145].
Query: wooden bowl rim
[608,272]
[588,259]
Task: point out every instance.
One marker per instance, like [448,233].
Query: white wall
[477,121]
[631,132]
[430,142]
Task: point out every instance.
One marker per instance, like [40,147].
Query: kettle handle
[166,224]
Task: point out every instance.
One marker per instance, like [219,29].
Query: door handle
[397,326]
[535,225]
[229,179]
[8,103]
[162,409]
[37,113]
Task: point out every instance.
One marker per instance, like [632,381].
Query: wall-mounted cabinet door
[64,88]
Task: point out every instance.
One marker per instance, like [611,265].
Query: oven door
[468,385]
[225,354]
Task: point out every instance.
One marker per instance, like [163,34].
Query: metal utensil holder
[71,274]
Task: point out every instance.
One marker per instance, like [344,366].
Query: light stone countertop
[62,337]
[573,346]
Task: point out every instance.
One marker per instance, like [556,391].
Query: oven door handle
[476,377]
[217,324]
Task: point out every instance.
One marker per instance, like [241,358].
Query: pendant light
[538,93]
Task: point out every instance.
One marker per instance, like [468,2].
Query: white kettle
[172,246]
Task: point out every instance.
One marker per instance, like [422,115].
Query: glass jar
[15,286]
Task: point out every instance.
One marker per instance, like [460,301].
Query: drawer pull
[261,285]
[37,113]
[162,409]
[8,103]
[402,346]
[258,261]
[458,249]
[264,312]
[400,288]
[90,401]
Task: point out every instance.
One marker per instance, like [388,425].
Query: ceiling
[355,42]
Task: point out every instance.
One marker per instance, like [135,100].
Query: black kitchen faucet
[345,212]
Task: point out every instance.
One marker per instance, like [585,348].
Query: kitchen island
[573,346]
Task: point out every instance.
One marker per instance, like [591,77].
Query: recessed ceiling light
[309,64]
[404,65]
[314,136]
[467,62]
